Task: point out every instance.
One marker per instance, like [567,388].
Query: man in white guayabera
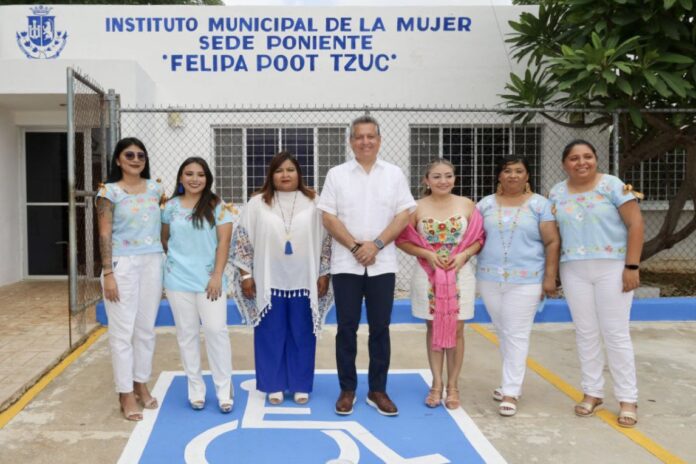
[366,204]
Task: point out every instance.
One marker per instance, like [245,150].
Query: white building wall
[464,68]
[10,236]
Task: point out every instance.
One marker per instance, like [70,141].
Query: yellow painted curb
[8,414]
[576,395]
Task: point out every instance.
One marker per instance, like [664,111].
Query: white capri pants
[191,310]
[132,318]
[512,308]
[593,289]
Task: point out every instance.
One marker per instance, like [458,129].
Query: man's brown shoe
[381,402]
[345,402]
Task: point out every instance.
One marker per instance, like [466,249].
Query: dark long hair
[505,161]
[115,173]
[205,207]
[268,189]
[569,147]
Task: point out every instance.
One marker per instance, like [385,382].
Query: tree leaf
[609,76]
[624,67]
[650,77]
[662,88]
[674,82]
[686,4]
[674,58]
[596,41]
[624,86]
[567,51]
[669,4]
[636,117]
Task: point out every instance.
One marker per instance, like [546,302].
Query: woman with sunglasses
[128,209]
[196,232]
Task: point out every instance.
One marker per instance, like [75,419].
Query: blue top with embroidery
[513,231]
[191,251]
[589,222]
[136,219]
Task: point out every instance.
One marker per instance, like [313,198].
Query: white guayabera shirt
[366,204]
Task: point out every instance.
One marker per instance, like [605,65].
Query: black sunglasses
[131,155]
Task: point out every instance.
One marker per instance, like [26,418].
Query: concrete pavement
[76,417]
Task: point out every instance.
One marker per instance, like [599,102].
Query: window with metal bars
[242,155]
[474,151]
[659,178]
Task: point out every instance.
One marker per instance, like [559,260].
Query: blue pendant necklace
[287,225]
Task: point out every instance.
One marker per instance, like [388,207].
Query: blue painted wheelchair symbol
[256,432]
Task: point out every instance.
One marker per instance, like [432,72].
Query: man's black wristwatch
[378,243]
[632,267]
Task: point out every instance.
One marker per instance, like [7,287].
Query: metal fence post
[615,142]
[72,219]
[111,100]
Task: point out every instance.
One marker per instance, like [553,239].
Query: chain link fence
[239,143]
[88,145]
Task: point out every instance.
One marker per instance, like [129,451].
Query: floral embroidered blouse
[191,251]
[136,220]
[589,222]
[514,249]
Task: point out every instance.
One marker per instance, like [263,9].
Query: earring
[527,188]
[499,189]
[180,188]
[427,186]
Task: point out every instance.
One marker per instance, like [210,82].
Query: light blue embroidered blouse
[515,229]
[191,251]
[589,222]
[136,220]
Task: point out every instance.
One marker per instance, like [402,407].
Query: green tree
[636,55]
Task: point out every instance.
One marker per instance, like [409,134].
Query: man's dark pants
[378,291]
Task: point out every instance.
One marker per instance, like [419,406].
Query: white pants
[593,289]
[132,318]
[512,308]
[190,310]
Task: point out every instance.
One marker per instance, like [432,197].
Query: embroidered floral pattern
[507,229]
[443,236]
[580,217]
[136,217]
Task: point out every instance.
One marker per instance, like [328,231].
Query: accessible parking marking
[256,431]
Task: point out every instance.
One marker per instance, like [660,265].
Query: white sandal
[507,409]
[226,406]
[197,405]
[301,397]
[498,394]
[276,397]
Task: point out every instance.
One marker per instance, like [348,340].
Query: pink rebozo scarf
[444,282]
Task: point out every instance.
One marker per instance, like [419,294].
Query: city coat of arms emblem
[41,40]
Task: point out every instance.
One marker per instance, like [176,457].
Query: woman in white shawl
[280,255]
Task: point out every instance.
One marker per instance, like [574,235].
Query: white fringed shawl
[258,247]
